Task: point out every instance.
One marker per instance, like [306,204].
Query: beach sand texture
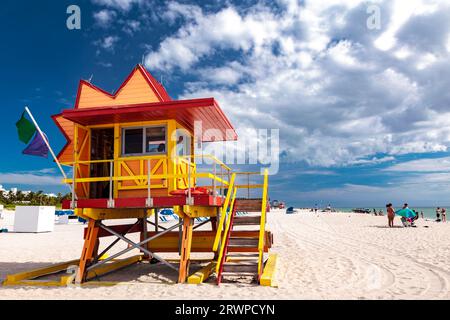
[320,256]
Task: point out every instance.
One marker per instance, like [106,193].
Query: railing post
[180,232]
[214,179]
[221,183]
[73,203]
[156,220]
[229,180]
[214,182]
[149,201]
[111,172]
[189,198]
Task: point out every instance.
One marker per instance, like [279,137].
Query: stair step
[243,255]
[239,274]
[240,267]
[249,205]
[252,220]
[243,242]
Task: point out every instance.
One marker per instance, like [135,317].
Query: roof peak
[140,80]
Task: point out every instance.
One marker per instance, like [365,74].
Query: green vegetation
[10,199]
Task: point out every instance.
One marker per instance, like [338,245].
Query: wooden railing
[185,177]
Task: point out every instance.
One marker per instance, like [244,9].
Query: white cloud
[318,172]
[373,160]
[124,5]
[223,75]
[131,26]
[108,43]
[423,165]
[105,64]
[316,72]
[224,29]
[104,17]
[36,177]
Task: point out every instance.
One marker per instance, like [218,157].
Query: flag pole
[48,145]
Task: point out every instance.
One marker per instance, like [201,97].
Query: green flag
[25,129]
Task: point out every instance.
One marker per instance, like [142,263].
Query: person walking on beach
[438,214]
[390,214]
[444,215]
[421,214]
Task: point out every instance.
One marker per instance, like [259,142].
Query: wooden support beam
[186,243]
[88,252]
[202,241]
[203,274]
[213,223]
[108,214]
[143,236]
[268,275]
[113,266]
[117,228]
[28,278]
[14,279]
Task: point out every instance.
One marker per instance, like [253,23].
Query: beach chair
[406,222]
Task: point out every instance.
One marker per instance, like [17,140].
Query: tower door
[102,148]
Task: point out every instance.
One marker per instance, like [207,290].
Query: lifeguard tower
[132,154]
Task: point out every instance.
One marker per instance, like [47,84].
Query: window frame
[144,128]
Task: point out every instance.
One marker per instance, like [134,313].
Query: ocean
[428,212]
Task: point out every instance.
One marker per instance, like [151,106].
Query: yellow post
[117,153]
[268,276]
[263,221]
[171,153]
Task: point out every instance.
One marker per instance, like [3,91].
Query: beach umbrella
[407,213]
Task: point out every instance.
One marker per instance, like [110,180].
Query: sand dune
[321,256]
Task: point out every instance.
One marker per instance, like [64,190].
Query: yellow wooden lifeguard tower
[132,154]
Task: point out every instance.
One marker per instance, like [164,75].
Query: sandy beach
[321,256]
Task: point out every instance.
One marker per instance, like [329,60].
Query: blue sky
[363,113]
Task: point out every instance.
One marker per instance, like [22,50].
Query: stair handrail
[262,226]
[223,213]
[225,233]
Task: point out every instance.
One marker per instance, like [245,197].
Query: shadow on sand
[387,227]
[143,272]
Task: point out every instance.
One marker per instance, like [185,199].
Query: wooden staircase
[244,260]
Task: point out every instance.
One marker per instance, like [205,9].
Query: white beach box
[64,219]
[34,219]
